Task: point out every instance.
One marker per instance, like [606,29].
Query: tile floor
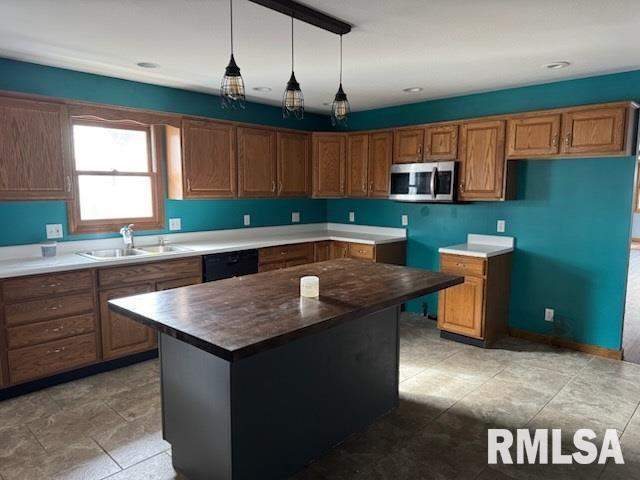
[108,426]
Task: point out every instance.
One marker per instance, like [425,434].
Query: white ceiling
[447,47]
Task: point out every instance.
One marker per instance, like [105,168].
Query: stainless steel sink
[112,253]
[163,249]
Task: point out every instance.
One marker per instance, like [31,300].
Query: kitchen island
[257,381]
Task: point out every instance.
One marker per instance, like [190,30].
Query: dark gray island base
[257,382]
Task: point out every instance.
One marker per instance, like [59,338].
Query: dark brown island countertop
[238,317]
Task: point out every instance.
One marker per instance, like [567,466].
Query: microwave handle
[434,175]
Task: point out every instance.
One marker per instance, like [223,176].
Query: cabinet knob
[364,186]
[273,185]
[567,139]
[461,186]
[188,184]
[554,142]
[280,186]
[67,183]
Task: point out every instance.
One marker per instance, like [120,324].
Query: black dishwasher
[231,264]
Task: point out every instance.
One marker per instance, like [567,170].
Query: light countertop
[483,246]
[26,260]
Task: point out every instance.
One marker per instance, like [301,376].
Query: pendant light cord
[340,59]
[292,43]
[231,15]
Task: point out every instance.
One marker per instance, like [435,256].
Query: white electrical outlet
[247,220]
[175,224]
[352,216]
[549,314]
[295,217]
[501,226]
[405,220]
[54,230]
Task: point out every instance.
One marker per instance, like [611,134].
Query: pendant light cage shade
[340,109]
[232,92]
[292,99]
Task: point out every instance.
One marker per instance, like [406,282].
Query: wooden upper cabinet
[35,143]
[201,160]
[294,164]
[482,160]
[380,158]
[596,131]
[357,164]
[441,142]
[533,135]
[329,159]
[408,145]
[257,162]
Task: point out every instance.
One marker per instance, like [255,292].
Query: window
[116,177]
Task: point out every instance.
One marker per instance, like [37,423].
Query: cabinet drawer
[462,265]
[298,261]
[48,308]
[285,252]
[188,267]
[45,285]
[362,251]
[52,357]
[35,333]
[267,267]
[177,283]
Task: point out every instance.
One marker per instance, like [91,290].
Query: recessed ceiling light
[148,65]
[557,65]
[262,89]
[412,89]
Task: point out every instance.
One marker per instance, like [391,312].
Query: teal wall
[571,219]
[27,220]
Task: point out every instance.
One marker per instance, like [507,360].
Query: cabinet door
[357,164]
[322,251]
[294,165]
[120,335]
[209,159]
[339,250]
[441,142]
[380,158]
[256,162]
[329,153]
[34,150]
[408,145]
[594,131]
[533,135]
[482,160]
[461,308]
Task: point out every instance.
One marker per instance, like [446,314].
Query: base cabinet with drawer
[122,336]
[50,325]
[477,308]
[276,258]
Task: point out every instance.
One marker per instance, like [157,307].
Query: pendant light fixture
[340,109]
[292,100]
[232,86]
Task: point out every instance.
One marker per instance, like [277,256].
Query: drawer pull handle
[55,307]
[50,285]
[57,350]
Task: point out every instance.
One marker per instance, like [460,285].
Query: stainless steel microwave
[424,182]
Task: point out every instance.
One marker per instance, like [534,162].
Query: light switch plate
[54,230]
[501,226]
[247,220]
[405,220]
[175,224]
[295,217]
[352,216]
[549,314]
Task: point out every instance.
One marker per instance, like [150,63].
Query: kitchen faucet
[127,235]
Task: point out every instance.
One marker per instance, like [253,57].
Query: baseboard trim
[571,345]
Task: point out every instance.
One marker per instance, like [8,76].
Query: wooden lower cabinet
[477,308]
[120,335]
[275,258]
[339,250]
[322,251]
